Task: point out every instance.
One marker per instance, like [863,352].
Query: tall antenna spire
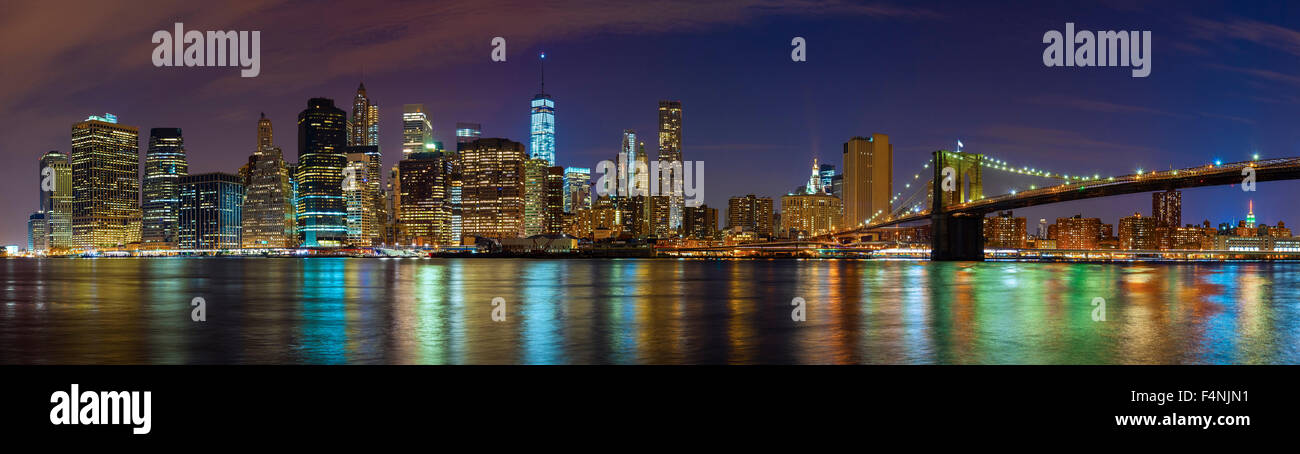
[542,59]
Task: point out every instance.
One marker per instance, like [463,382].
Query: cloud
[1093,105]
[1252,31]
[105,42]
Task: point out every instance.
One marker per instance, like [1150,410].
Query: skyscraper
[105,183]
[364,126]
[466,133]
[1137,232]
[828,177]
[364,192]
[321,206]
[632,177]
[670,150]
[535,171]
[164,166]
[36,237]
[210,211]
[700,222]
[268,211]
[417,131]
[553,201]
[1167,208]
[810,214]
[868,177]
[542,120]
[1005,231]
[426,208]
[493,192]
[750,213]
[56,200]
[577,189]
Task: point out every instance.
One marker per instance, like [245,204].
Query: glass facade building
[321,205]
[211,210]
[164,166]
[105,183]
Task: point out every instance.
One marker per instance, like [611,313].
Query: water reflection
[638,311]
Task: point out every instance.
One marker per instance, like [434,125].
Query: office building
[321,205]
[165,164]
[868,178]
[211,206]
[105,183]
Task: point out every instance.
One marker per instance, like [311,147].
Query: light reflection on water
[643,311]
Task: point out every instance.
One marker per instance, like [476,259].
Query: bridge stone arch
[957,236]
[969,168]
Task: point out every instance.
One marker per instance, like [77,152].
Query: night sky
[1225,84]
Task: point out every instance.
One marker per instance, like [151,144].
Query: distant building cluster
[1161,231]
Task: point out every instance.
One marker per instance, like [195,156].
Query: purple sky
[1223,85]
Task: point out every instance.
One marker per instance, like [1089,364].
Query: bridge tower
[956,236]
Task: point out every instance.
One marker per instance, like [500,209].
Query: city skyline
[1093,122]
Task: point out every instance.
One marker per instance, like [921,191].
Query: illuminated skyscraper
[268,211]
[105,183]
[750,213]
[1167,208]
[321,206]
[364,125]
[814,185]
[1137,232]
[36,237]
[868,177]
[466,133]
[1076,232]
[1250,215]
[210,211]
[535,171]
[633,178]
[828,177]
[164,166]
[417,131]
[493,192]
[542,119]
[700,222]
[804,215]
[1005,231]
[670,150]
[577,189]
[363,189]
[553,201]
[56,200]
[426,208]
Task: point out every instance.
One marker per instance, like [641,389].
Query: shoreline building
[670,151]
[56,200]
[493,188]
[1005,231]
[321,207]
[211,207]
[810,214]
[268,212]
[165,164]
[868,178]
[105,162]
[750,213]
[364,192]
[425,205]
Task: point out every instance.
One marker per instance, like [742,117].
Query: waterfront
[644,311]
